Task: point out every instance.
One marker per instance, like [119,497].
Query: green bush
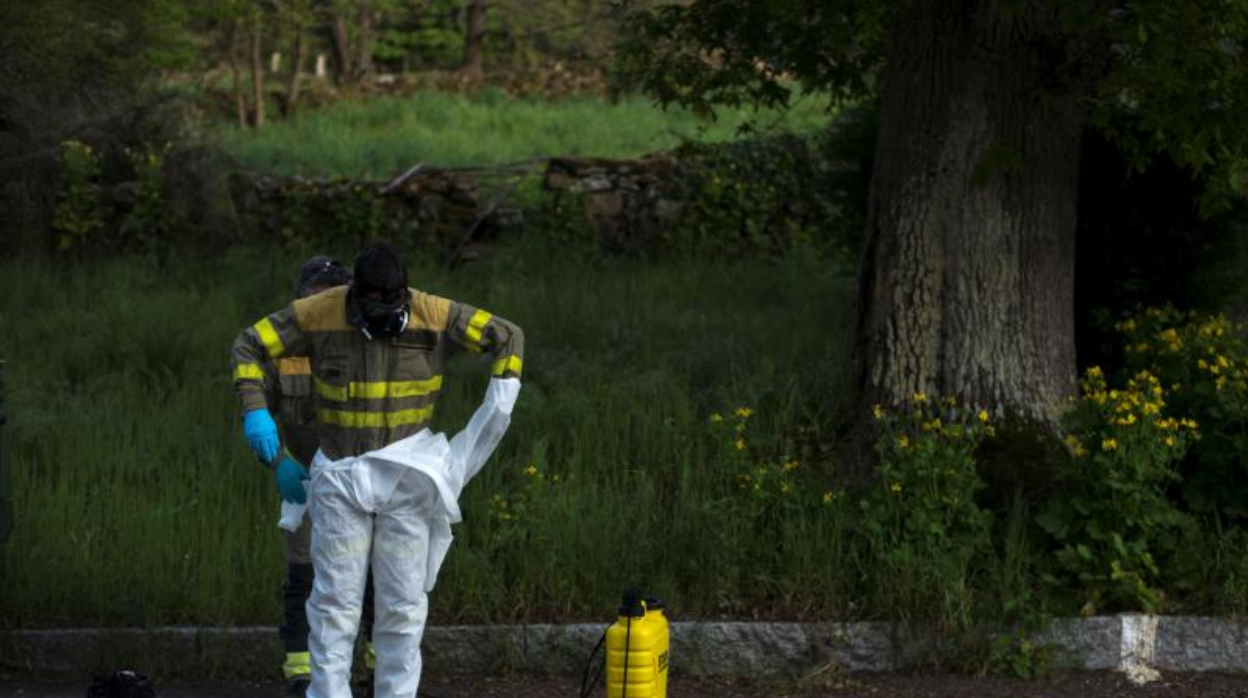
[925,534]
[1203,361]
[77,214]
[1112,521]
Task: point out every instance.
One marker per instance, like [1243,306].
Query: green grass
[383,137]
[138,502]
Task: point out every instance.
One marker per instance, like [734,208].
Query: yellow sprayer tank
[640,634]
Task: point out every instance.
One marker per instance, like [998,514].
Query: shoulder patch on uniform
[324,312]
[429,312]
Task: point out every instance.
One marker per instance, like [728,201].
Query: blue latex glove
[290,476]
[261,433]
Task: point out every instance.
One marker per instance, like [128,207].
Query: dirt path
[1065,685]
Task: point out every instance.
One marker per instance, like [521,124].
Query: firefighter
[376,351]
[288,386]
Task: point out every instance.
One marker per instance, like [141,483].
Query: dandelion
[1109,445]
[983,416]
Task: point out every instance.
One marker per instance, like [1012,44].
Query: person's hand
[290,476]
[261,433]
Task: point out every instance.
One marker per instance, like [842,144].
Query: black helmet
[320,271]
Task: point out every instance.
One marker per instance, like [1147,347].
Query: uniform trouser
[352,526]
[296,589]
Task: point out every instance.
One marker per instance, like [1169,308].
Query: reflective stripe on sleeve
[248,372]
[375,420]
[476,325]
[268,335]
[380,390]
[512,363]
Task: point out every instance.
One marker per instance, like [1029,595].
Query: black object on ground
[121,684]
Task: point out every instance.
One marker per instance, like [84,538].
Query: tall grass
[383,137]
[138,502]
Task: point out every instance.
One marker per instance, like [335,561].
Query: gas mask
[379,317]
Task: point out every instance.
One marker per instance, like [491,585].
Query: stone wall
[627,202]
[429,207]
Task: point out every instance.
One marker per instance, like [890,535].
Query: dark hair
[380,268]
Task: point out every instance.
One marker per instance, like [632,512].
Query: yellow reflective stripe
[512,363]
[370,655]
[379,390]
[297,664]
[476,325]
[375,420]
[268,335]
[248,372]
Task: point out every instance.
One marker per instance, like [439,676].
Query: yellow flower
[531,470]
[1169,440]
[919,397]
[827,497]
[983,415]
[1109,445]
[903,441]
[744,412]
[878,412]
[740,444]
[716,418]
[895,487]
[790,466]
[1080,451]
[1127,420]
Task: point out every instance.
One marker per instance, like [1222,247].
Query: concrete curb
[1136,645]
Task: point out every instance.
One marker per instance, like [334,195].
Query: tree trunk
[364,43]
[966,280]
[257,74]
[473,37]
[236,81]
[340,41]
[293,83]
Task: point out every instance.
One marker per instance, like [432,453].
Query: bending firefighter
[288,386]
[383,487]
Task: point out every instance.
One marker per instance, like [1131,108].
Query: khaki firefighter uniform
[371,393]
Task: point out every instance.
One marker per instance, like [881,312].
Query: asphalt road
[1063,685]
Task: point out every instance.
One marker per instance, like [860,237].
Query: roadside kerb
[1136,645]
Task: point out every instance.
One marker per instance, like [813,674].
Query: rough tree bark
[257,73]
[474,35]
[293,82]
[967,275]
[340,41]
[236,81]
[364,42]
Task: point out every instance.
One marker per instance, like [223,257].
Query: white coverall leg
[400,550]
[342,542]
[387,507]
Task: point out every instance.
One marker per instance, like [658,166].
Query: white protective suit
[396,504]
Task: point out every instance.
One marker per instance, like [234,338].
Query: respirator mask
[379,312]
